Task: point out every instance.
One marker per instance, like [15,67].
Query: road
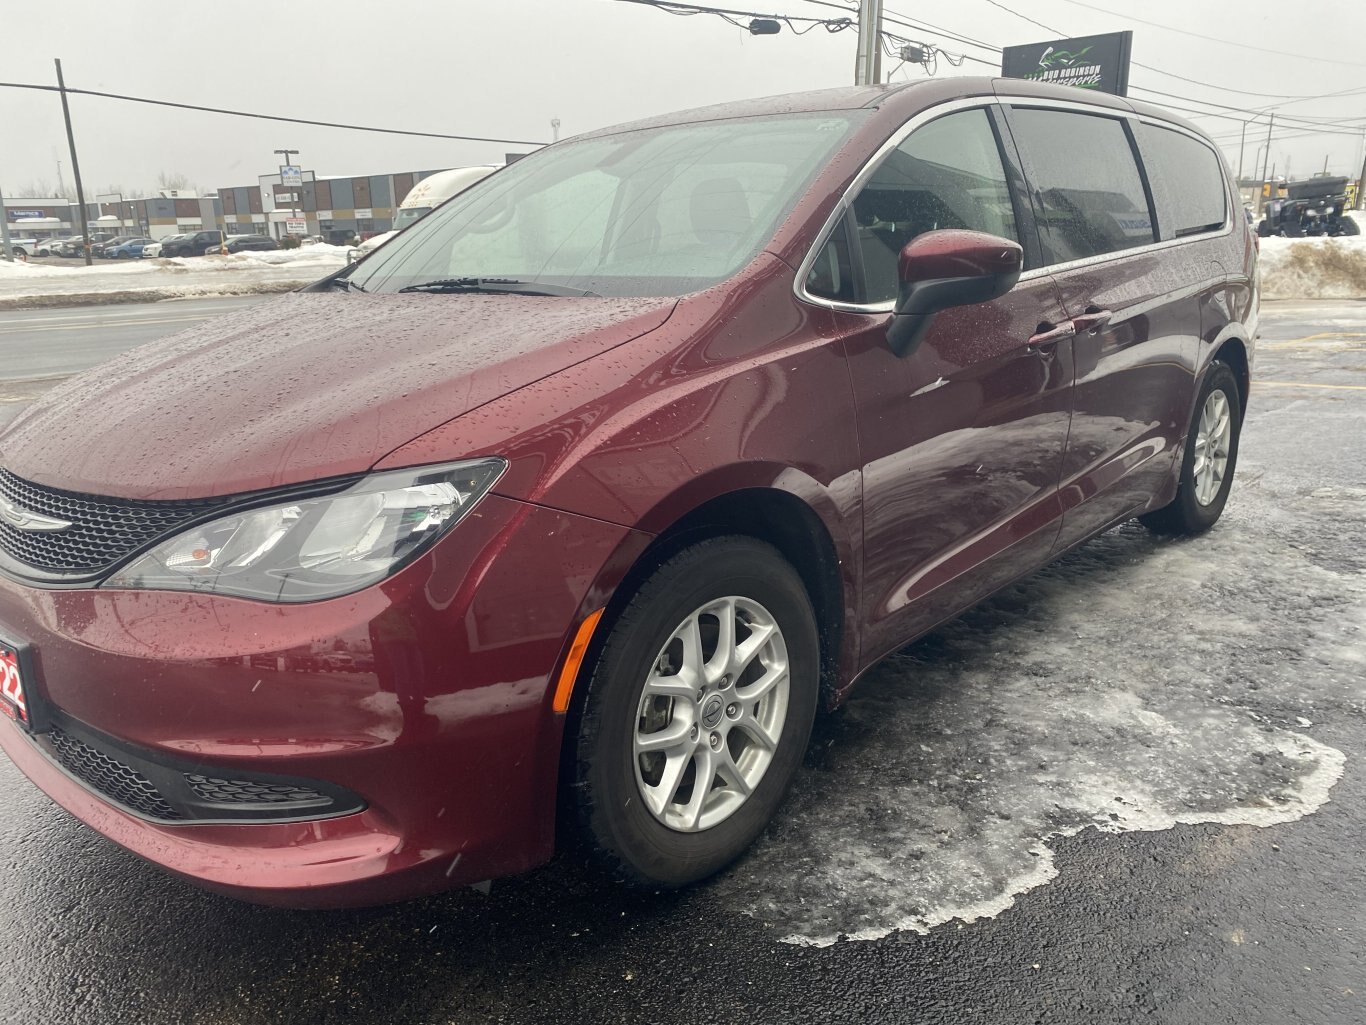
[1131,787]
[44,343]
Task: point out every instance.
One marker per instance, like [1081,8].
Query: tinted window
[947,174]
[1088,196]
[659,211]
[1187,181]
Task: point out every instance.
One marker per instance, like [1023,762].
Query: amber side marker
[564,689]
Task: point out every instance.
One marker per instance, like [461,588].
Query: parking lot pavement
[1129,787]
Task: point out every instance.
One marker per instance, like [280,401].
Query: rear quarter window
[1087,193]
[1187,181]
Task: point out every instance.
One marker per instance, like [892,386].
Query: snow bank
[239,273]
[1314,268]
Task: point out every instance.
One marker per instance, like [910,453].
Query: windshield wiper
[345,283]
[497,286]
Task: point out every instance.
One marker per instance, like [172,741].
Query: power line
[1197,35]
[732,16]
[1140,64]
[266,117]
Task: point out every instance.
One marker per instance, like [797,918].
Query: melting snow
[1135,685]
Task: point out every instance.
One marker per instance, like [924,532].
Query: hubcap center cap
[712,710]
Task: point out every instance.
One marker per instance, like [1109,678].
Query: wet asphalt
[1129,788]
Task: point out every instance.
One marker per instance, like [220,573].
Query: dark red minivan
[583,494]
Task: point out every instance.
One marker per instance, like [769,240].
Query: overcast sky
[506,67]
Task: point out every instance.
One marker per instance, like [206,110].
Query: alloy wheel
[711,713]
[1212,438]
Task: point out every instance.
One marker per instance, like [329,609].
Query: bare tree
[177,181]
[41,188]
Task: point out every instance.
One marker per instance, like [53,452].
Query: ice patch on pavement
[1135,685]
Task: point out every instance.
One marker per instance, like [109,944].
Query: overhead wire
[266,117]
[732,16]
[1139,63]
[1317,58]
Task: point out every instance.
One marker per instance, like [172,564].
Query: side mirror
[946,268]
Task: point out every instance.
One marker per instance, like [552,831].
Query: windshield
[410,215]
[660,211]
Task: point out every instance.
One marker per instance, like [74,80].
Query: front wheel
[698,713]
[1210,457]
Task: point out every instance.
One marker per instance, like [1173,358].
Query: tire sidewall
[616,816]
[1200,517]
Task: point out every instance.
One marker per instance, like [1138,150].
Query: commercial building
[335,208]
[161,216]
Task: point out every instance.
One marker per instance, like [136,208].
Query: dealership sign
[1087,62]
[25,215]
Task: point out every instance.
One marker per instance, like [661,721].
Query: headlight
[316,548]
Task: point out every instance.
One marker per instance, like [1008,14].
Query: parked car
[128,249]
[56,246]
[101,249]
[74,247]
[243,244]
[153,249]
[194,243]
[23,247]
[614,496]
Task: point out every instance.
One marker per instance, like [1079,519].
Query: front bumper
[426,697]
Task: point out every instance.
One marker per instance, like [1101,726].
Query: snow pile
[113,281]
[1313,268]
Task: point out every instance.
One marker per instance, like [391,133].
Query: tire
[1348,226]
[623,833]
[1187,513]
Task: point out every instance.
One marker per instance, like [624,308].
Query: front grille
[119,782]
[102,532]
[245,791]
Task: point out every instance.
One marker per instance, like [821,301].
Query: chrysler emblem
[24,519]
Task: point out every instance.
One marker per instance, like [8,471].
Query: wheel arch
[1231,349]
[774,514]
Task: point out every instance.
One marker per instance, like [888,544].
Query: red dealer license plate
[12,702]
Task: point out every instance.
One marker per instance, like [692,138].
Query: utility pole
[1361,184]
[75,165]
[1242,138]
[554,129]
[1262,197]
[8,251]
[868,65]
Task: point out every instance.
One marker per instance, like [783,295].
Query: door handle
[1092,320]
[1044,341]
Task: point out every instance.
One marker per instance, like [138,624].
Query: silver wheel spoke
[745,652]
[755,731]
[756,690]
[724,655]
[705,763]
[693,669]
[675,734]
[659,797]
[735,779]
[670,687]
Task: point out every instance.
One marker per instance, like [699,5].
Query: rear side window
[1187,180]
[946,174]
[1088,196]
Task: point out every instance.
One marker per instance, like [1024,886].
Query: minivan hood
[310,385]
